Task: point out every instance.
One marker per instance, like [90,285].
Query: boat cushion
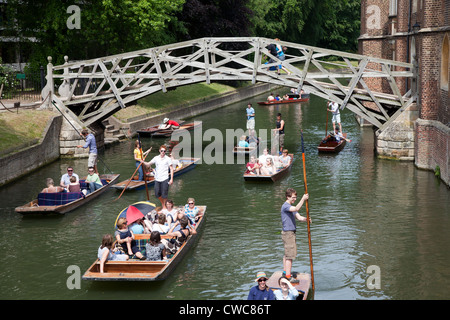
[58,198]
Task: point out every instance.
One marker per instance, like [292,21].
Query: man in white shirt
[65,179]
[163,166]
[336,114]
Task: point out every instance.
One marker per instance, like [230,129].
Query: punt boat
[63,202]
[156,132]
[141,270]
[330,145]
[270,178]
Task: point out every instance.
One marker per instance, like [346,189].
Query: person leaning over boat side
[289,213]
[65,179]
[51,187]
[163,167]
[280,129]
[170,124]
[261,291]
[105,252]
[287,291]
[139,158]
[93,181]
[90,142]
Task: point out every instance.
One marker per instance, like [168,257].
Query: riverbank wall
[24,161]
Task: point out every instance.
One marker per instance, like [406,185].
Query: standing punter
[90,142]
[163,166]
[289,213]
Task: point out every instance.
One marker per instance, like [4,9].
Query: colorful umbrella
[135,211]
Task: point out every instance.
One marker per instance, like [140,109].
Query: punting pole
[79,134]
[307,214]
[128,183]
[145,178]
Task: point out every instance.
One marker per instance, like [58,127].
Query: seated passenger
[264,156]
[192,212]
[252,166]
[141,226]
[243,143]
[180,236]
[268,168]
[107,252]
[74,185]
[51,187]
[160,224]
[285,159]
[270,97]
[170,212]
[125,238]
[65,179]
[154,249]
[93,181]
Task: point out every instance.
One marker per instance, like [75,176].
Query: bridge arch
[92,90]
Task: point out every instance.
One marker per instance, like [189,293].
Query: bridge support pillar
[397,140]
[69,139]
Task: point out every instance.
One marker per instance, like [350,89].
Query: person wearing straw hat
[261,291]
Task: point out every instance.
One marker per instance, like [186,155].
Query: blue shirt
[288,218]
[90,142]
[256,294]
[250,113]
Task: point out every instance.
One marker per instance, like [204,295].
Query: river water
[379,228]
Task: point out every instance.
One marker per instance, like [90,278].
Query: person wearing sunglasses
[163,175]
[261,291]
[65,179]
[192,212]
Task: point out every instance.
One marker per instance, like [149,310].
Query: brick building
[416,31]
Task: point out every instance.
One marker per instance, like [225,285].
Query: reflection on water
[365,212]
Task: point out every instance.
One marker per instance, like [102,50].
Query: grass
[181,96]
[18,130]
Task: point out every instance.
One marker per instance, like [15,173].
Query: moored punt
[304,98]
[271,178]
[330,145]
[187,165]
[63,202]
[162,133]
[302,286]
[139,270]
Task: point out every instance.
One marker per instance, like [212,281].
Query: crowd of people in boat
[176,223]
[268,164]
[294,94]
[70,182]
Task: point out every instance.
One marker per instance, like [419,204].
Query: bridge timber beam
[95,89]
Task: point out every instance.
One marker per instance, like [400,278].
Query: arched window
[445,63]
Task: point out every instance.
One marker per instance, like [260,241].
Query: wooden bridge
[92,90]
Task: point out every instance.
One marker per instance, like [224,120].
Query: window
[392,8]
[444,63]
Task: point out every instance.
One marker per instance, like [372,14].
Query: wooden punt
[33,207]
[270,178]
[141,270]
[188,165]
[163,133]
[304,98]
[303,285]
[330,145]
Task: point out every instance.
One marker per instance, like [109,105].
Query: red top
[173,123]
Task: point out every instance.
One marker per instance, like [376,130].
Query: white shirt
[161,167]
[334,108]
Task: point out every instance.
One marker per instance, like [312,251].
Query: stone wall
[31,158]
